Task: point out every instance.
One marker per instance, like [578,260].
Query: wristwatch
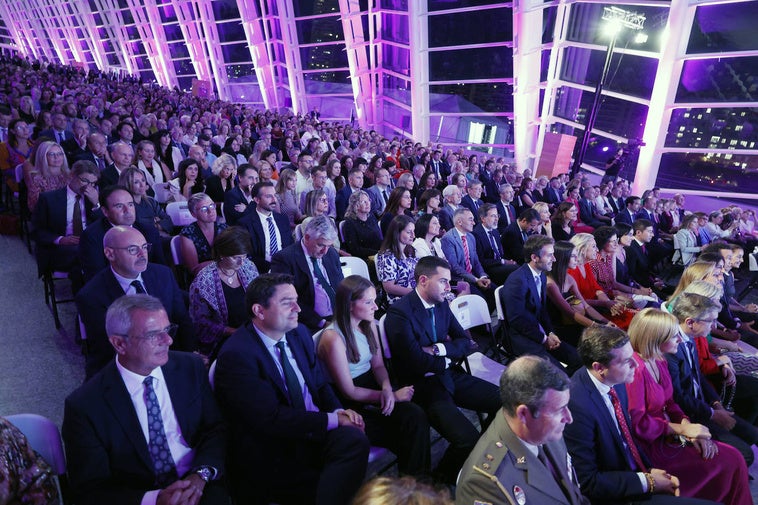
[206,473]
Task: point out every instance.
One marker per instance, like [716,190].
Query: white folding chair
[212,375]
[341,231]
[179,213]
[471,311]
[44,437]
[176,253]
[502,340]
[383,342]
[352,265]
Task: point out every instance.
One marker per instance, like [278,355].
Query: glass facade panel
[323,56]
[397,117]
[236,53]
[399,89]
[464,64]
[721,28]
[398,5]
[397,59]
[619,117]
[328,82]
[443,5]
[184,67]
[231,31]
[714,128]
[173,33]
[628,74]
[719,80]
[717,172]
[475,27]
[178,50]
[225,9]
[395,28]
[239,71]
[314,31]
[315,7]
[471,98]
[167,13]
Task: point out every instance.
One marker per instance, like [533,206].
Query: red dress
[723,479]
[588,287]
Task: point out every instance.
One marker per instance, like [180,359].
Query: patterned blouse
[193,232]
[390,268]
[24,476]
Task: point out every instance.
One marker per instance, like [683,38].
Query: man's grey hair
[118,319]
[449,189]
[321,227]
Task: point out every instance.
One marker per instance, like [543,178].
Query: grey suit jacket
[452,247]
[377,200]
[500,454]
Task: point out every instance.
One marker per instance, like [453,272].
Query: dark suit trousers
[742,437]
[215,493]
[565,353]
[441,407]
[664,499]
[324,473]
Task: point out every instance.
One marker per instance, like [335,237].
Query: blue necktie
[434,324]
[290,378]
[272,236]
[163,463]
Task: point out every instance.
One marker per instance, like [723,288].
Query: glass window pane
[398,5]
[167,13]
[471,63]
[440,5]
[713,128]
[328,82]
[631,75]
[239,71]
[620,117]
[397,59]
[323,56]
[717,172]
[185,83]
[471,98]
[398,117]
[395,28]
[720,28]
[719,80]
[225,9]
[476,27]
[586,25]
[245,93]
[230,32]
[399,89]
[184,67]
[178,50]
[314,31]
[173,33]
[236,53]
[313,8]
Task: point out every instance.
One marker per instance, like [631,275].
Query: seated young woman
[350,349]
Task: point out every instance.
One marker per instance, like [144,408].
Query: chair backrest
[179,213]
[383,338]
[82,328]
[341,231]
[352,265]
[499,304]
[162,192]
[19,172]
[212,374]
[298,232]
[176,253]
[44,437]
[470,311]
[752,261]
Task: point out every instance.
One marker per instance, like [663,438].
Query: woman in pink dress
[706,469]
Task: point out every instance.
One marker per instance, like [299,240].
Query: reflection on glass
[482,63]
[234,72]
[323,57]
[328,82]
[476,27]
[719,80]
[628,74]
[438,5]
[398,117]
[713,128]
[397,59]
[230,32]
[397,88]
[717,172]
[472,98]
[395,28]
[315,31]
[616,116]
[225,9]
[236,53]
[724,27]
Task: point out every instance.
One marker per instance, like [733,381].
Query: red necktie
[466,256]
[625,431]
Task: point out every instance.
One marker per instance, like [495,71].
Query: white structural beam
[419,57]
[670,63]
[527,62]
[192,33]
[361,73]
[213,48]
[85,16]
[147,20]
[113,23]
[292,60]
[259,43]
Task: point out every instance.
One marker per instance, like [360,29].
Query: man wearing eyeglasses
[118,209]
[129,273]
[60,218]
[146,429]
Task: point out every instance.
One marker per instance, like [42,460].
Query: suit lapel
[271,370]
[417,306]
[600,406]
[117,398]
[303,363]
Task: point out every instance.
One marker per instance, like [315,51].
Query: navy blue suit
[96,296]
[231,198]
[492,263]
[342,199]
[252,223]
[472,205]
[409,328]
[291,260]
[625,216]
[106,449]
[513,243]
[505,217]
[526,311]
[275,442]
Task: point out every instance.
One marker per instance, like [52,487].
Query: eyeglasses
[56,154]
[153,336]
[205,209]
[86,182]
[135,249]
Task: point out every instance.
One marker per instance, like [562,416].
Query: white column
[292,56]
[357,58]
[419,42]
[260,52]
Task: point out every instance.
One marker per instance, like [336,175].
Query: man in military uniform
[521,458]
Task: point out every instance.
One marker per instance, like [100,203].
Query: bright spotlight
[640,38]
[612,28]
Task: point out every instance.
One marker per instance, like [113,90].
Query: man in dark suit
[505,208]
[239,200]
[117,206]
[524,299]
[59,132]
[517,233]
[128,273]
[552,194]
[459,247]
[55,229]
[76,145]
[293,441]
[122,155]
[261,221]
[472,201]
[424,337]
[315,265]
[618,204]
[611,468]
[522,454]
[451,197]
[692,390]
[637,258]
[440,168]
[96,151]
[145,429]
[632,206]
[379,193]
[354,183]
[588,211]
[489,247]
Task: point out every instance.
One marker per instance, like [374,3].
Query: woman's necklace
[229,277]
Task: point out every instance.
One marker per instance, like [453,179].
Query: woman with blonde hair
[224,169]
[706,469]
[400,491]
[285,195]
[699,271]
[50,171]
[545,226]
